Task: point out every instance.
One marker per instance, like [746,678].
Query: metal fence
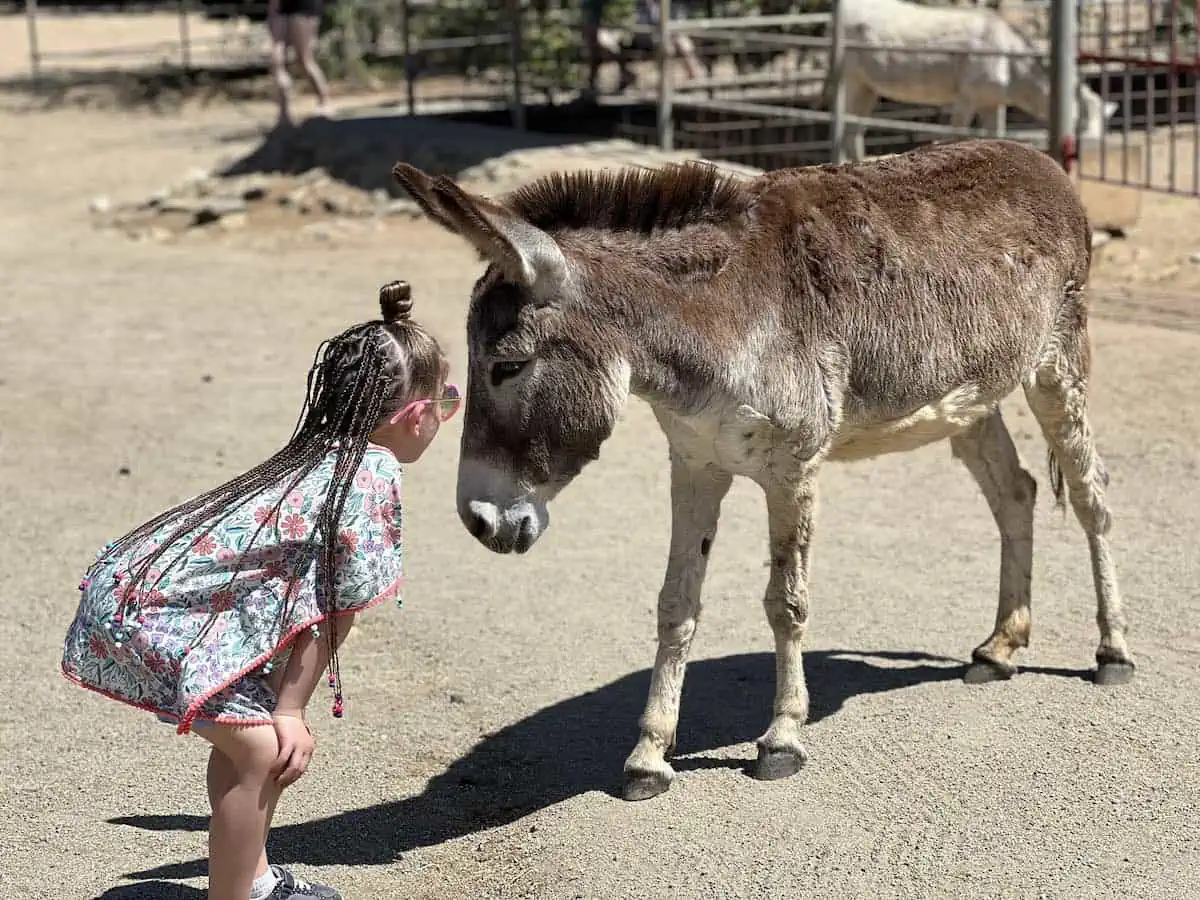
[735,80]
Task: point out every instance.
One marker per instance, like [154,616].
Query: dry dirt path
[487,721]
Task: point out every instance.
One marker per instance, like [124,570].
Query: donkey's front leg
[696,495]
[791,508]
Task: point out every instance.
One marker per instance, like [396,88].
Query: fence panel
[787,114]
[1143,57]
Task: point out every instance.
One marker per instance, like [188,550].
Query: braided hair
[358,378]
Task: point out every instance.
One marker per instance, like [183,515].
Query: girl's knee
[251,748]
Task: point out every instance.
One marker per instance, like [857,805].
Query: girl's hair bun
[395,301]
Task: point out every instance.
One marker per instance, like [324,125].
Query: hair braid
[356,378]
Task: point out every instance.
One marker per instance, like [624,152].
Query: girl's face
[410,431]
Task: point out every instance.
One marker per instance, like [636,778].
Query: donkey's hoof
[1114,673]
[644,785]
[983,671]
[775,764]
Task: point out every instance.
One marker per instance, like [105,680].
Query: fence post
[517,57]
[1064,46]
[185,38]
[410,65]
[837,51]
[35,54]
[666,119]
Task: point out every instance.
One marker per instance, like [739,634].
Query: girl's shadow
[571,748]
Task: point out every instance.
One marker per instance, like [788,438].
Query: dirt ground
[487,721]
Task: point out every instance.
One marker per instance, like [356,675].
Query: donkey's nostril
[481,521]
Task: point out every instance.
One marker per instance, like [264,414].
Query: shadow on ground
[153,890]
[361,150]
[577,746]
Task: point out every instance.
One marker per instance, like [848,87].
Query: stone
[233,222]
[403,206]
[1195,258]
[101,205]
[212,209]
[159,197]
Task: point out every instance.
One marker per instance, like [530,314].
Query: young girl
[221,613]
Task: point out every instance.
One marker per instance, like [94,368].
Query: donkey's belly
[935,421]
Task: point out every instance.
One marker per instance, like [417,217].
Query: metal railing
[753,88]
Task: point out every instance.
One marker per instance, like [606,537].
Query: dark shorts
[593,12]
[302,8]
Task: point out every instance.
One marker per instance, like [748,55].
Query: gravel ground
[487,722]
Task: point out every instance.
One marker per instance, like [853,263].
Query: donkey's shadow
[573,747]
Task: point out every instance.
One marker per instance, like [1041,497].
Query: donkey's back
[928,285]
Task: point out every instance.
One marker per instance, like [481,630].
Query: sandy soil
[487,721]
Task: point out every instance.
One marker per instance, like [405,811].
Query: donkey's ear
[526,254]
[420,187]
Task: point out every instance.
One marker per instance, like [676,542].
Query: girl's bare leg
[302,35]
[243,794]
[277,29]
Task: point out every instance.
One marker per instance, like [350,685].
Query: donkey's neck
[692,340]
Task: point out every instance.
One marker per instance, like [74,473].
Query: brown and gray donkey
[814,314]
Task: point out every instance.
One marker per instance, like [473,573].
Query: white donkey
[948,68]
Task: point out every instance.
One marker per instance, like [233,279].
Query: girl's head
[381,381]
[384,380]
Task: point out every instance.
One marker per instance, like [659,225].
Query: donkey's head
[1093,113]
[544,384]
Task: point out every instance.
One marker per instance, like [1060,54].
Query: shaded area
[361,151]
[153,890]
[571,748]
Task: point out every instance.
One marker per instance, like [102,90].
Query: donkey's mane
[631,199]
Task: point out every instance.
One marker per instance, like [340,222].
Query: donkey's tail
[1056,480]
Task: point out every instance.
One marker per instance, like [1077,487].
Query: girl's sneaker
[289,887]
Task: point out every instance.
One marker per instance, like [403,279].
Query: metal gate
[1144,56]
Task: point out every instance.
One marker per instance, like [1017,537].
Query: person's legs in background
[302,35]
[277,29]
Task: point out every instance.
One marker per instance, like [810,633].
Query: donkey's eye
[503,371]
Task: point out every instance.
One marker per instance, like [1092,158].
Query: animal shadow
[573,747]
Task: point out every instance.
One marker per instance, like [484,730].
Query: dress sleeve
[370,536]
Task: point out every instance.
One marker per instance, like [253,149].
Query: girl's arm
[304,669]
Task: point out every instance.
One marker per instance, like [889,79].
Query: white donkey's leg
[696,495]
[861,100]
[987,450]
[791,508]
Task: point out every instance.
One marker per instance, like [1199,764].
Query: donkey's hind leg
[1057,393]
[987,450]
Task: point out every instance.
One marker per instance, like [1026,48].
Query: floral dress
[198,647]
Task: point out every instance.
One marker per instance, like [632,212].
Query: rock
[380,197]
[253,193]
[1100,238]
[1195,258]
[158,198]
[155,233]
[214,208]
[403,206]
[101,205]
[233,222]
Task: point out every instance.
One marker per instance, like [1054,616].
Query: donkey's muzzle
[501,532]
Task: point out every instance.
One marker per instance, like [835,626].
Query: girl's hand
[296,747]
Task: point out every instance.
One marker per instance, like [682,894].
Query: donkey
[823,313]
[937,61]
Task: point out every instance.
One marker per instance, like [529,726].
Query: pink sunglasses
[447,405]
